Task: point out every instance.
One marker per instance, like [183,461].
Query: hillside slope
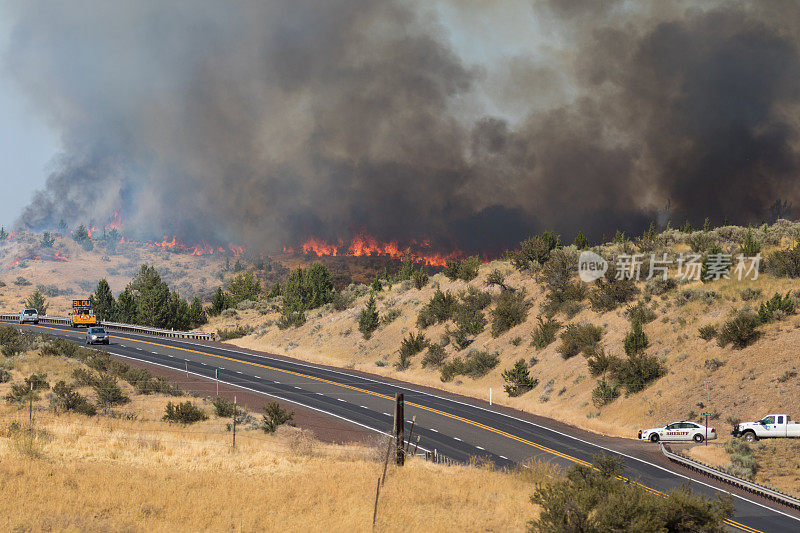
[743,383]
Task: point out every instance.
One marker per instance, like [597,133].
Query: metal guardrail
[770,494]
[131,328]
[116,326]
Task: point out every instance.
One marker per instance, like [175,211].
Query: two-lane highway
[457,427]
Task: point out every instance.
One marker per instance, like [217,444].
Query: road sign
[707,414]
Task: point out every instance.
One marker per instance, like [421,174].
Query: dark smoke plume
[271,122]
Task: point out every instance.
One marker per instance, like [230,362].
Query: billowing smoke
[270,122]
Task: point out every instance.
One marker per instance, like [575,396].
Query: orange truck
[82,314]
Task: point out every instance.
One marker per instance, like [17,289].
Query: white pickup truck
[771,426]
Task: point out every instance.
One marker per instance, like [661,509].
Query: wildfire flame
[116,222]
[363,244]
[61,258]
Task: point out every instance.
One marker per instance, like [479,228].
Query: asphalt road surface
[458,427]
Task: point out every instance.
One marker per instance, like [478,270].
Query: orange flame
[91,231]
[363,244]
[15,262]
[61,258]
[116,222]
[237,250]
[202,249]
[319,247]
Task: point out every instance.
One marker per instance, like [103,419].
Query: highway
[455,426]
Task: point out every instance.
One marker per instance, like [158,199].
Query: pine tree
[407,268]
[197,315]
[3,234]
[38,301]
[636,342]
[126,307]
[219,302]
[103,301]
[518,379]
[369,319]
[581,242]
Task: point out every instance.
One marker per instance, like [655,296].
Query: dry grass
[143,474]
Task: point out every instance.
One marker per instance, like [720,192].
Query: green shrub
[610,292]
[37,301]
[342,301]
[741,330]
[785,263]
[434,357]
[309,288]
[600,362]
[557,277]
[70,400]
[604,393]
[465,269]
[420,279]
[413,344]
[225,408]
[749,293]
[108,392]
[275,416]
[578,338]
[640,313]
[511,310]
[518,379]
[475,299]
[776,308]
[477,364]
[545,332]
[84,377]
[391,315]
[5,375]
[290,318]
[233,333]
[597,498]
[637,371]
[368,320]
[496,277]
[707,332]
[743,461]
[659,286]
[439,309]
[184,413]
[750,246]
[535,251]
[470,320]
[636,340]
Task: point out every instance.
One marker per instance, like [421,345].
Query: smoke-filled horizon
[268,123]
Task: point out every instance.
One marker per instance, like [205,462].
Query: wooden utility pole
[30,408]
[411,432]
[399,430]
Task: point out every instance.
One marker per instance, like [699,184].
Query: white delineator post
[490,396]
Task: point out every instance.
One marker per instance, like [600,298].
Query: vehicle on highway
[96,335]
[683,430]
[29,315]
[769,427]
[82,314]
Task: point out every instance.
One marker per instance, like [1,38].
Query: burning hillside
[363,244]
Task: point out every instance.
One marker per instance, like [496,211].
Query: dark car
[96,335]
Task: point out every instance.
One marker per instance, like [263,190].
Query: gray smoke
[266,123]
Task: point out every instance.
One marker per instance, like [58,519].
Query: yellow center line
[418,406]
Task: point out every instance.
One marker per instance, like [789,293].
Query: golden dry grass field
[138,473]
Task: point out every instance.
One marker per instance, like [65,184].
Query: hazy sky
[26,144]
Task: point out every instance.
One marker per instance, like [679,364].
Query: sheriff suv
[683,430]
[29,315]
